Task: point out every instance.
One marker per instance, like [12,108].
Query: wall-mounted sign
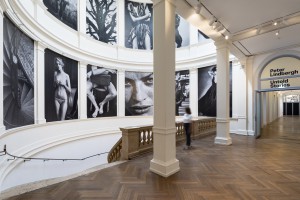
[291,98]
[280,83]
[281,73]
[285,66]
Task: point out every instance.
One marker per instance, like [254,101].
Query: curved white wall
[85,137]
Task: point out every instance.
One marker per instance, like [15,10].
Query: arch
[269,59]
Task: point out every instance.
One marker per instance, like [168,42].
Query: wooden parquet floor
[264,169]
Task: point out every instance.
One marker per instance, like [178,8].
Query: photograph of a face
[101,92]
[182,91]
[138,25]
[139,93]
[64,10]
[18,77]
[61,87]
[182,32]
[101,20]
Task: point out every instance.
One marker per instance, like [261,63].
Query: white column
[81,18]
[2,127]
[121,92]
[82,96]
[264,109]
[223,119]
[121,22]
[250,96]
[164,160]
[239,96]
[194,91]
[39,85]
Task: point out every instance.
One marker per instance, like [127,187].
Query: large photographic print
[64,10]
[182,32]
[207,88]
[101,20]
[182,91]
[101,92]
[139,93]
[18,77]
[61,87]
[138,25]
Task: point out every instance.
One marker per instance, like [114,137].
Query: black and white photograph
[182,32]
[18,77]
[64,10]
[101,92]
[61,87]
[139,93]
[202,37]
[207,91]
[101,20]
[138,25]
[182,91]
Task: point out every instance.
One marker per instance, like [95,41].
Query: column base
[40,121]
[223,141]
[164,169]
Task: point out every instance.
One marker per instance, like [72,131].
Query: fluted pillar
[121,92]
[223,120]
[164,160]
[39,88]
[2,127]
[194,91]
[82,95]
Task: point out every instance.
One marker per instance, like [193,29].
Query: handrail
[4,152]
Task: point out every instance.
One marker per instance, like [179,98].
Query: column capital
[155,2]
[193,70]
[83,63]
[221,44]
[41,46]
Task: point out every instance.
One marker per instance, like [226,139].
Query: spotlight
[275,23]
[198,7]
[212,21]
[226,37]
[277,33]
[258,30]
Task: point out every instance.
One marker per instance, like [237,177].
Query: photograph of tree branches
[101,22]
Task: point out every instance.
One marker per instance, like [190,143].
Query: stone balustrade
[138,140]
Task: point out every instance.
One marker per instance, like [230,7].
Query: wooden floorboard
[265,169]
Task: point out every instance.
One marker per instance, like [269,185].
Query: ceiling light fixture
[277,33]
[212,21]
[275,23]
[198,7]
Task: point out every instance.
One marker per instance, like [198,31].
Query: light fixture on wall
[198,7]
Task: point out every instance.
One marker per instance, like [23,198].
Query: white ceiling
[242,18]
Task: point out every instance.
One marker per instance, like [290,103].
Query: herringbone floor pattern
[266,168]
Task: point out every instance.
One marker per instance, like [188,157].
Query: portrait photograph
[18,77]
[138,25]
[101,20]
[64,10]
[139,99]
[101,92]
[61,87]
[207,91]
[182,32]
[182,91]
